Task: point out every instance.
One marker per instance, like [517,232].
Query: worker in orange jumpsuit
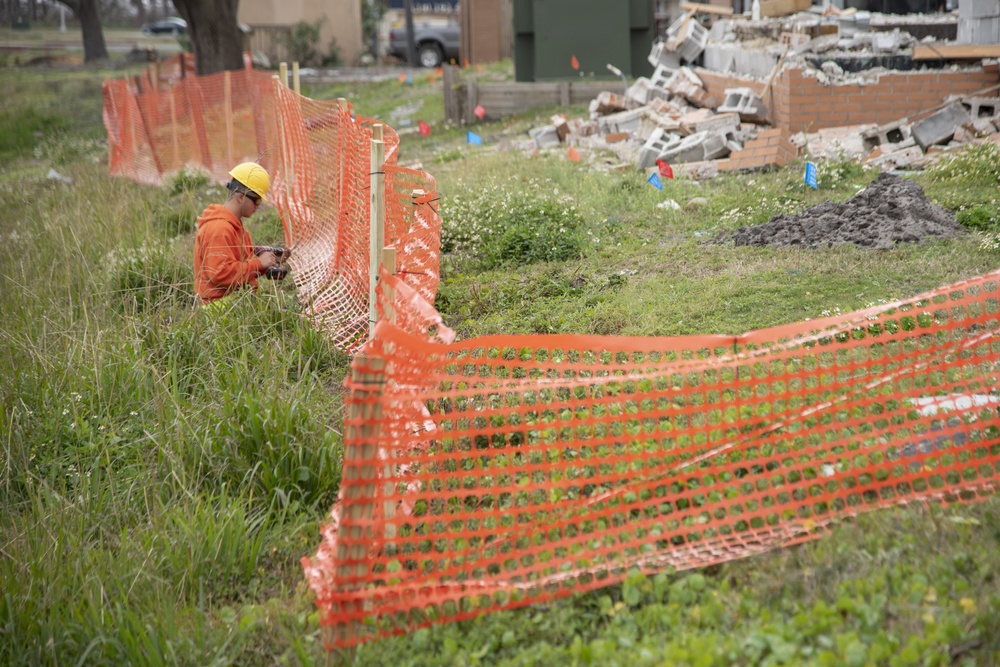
[224,257]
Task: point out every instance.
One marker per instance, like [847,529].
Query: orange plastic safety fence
[319,158]
[510,470]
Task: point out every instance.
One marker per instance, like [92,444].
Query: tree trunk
[94,48]
[215,34]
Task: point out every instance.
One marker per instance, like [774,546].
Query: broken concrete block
[661,56]
[982,107]
[939,128]
[658,143]
[697,147]
[686,38]
[623,121]
[639,91]
[684,83]
[703,120]
[700,171]
[662,75]
[901,159]
[982,127]
[652,120]
[608,102]
[583,128]
[544,137]
[890,133]
[746,103]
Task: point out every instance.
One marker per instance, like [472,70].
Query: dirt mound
[889,211]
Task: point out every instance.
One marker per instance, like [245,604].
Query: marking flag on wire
[402,78]
[812,178]
[424,129]
[655,181]
[409,80]
[664,168]
[574,63]
[473,139]
[573,154]
[438,71]
[480,111]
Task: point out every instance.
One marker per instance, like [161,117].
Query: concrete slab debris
[746,103]
[940,127]
[545,136]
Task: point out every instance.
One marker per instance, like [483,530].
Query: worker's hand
[288,254]
[267,259]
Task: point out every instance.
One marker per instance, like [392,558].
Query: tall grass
[163,468]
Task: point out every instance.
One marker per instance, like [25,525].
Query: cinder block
[746,103]
[890,133]
[979,31]
[661,56]
[639,90]
[982,107]
[685,37]
[623,121]
[546,136]
[939,128]
[659,142]
[977,9]
[698,147]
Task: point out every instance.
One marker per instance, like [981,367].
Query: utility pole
[411,46]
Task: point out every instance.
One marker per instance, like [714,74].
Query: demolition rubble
[735,94]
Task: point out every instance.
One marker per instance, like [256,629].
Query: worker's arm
[222,266]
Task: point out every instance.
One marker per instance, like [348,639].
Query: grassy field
[163,469]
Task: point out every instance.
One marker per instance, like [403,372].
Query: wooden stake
[368,381]
[376,227]
[283,73]
[173,130]
[295,78]
[228,90]
[341,198]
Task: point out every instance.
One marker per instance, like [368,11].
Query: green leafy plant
[512,223]
[144,277]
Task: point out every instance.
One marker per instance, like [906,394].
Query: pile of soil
[891,210]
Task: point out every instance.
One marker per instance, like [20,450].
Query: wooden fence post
[471,99]
[376,221]
[228,100]
[452,94]
[173,129]
[360,483]
[193,88]
[296,84]
[283,73]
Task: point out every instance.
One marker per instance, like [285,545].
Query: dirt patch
[890,211]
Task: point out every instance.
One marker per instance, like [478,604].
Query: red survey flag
[574,63]
[424,129]
[402,78]
[479,68]
[480,111]
[466,62]
[573,154]
[664,168]
[438,71]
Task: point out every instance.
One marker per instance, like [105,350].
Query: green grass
[163,469]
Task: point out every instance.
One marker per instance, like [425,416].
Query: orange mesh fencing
[510,470]
[318,155]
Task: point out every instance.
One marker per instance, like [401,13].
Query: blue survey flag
[474,139]
[654,179]
[812,179]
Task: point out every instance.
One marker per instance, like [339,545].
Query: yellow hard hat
[253,176]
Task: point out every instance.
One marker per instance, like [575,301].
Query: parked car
[168,26]
[436,43]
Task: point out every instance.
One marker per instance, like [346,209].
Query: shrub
[23,127]
[62,149]
[188,179]
[512,223]
[144,277]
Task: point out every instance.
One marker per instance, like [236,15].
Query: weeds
[163,468]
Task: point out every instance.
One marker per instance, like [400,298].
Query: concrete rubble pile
[674,116]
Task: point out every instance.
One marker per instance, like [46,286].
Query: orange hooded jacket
[223,255]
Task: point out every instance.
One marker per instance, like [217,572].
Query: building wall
[487,30]
[800,102]
[343,20]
